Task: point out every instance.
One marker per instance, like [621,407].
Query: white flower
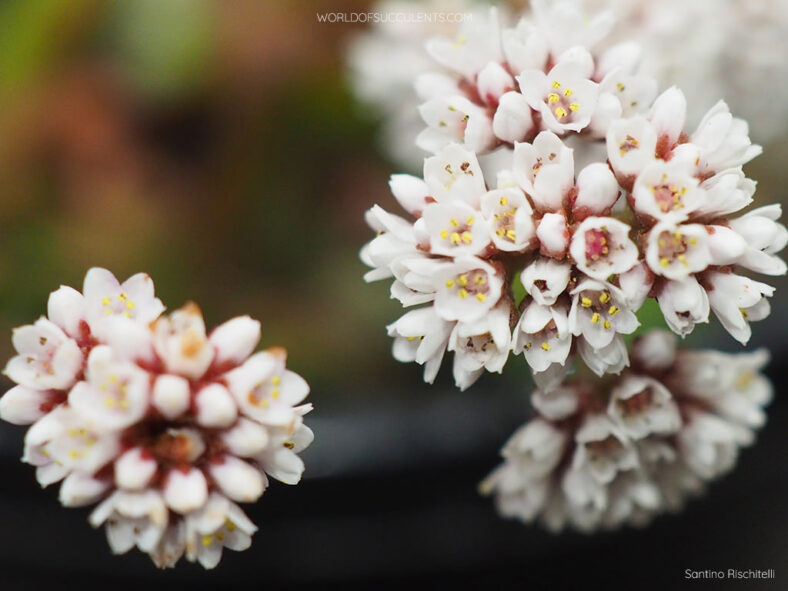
[545,279]
[631,145]
[737,301]
[684,304]
[411,192]
[105,297]
[510,218]
[476,44]
[710,445]
[454,119]
[455,229]
[421,336]
[667,191]
[601,247]
[602,449]
[453,174]
[599,312]
[219,524]
[47,358]
[676,251]
[543,336]
[483,344]
[612,358]
[553,235]
[723,140]
[726,192]
[512,121]
[668,115]
[467,289]
[655,350]
[597,191]
[545,170]
[565,97]
[764,237]
[642,406]
[162,421]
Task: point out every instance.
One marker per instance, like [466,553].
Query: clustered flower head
[626,449]
[593,197]
[166,425]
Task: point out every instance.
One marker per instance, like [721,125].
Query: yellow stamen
[574,107]
[664,263]
[561,112]
[553,98]
[545,346]
[606,324]
[613,311]
[462,280]
[595,318]
[207,540]
[568,92]
[467,237]
[450,283]
[463,294]
[454,222]
[504,201]
[444,234]
[586,302]
[481,297]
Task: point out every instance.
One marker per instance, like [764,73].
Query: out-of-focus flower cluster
[627,449]
[595,198]
[168,426]
[471,72]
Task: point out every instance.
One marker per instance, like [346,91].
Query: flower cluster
[596,198]
[625,450]
[165,423]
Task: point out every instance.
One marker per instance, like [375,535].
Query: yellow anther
[586,302]
[678,235]
[450,283]
[74,454]
[574,107]
[106,301]
[568,92]
[595,318]
[109,402]
[288,445]
[467,237]
[207,540]
[613,311]
[219,536]
[130,305]
[470,220]
[122,297]
[664,263]
[276,380]
[604,297]
[275,394]
[743,312]
[606,324]
[511,234]
[500,232]
[693,240]
[561,112]
[621,87]
[556,84]
[124,403]
[463,294]
[545,346]
[107,311]
[681,257]
[454,222]
[553,98]
[264,403]
[444,234]
[455,238]
[411,338]
[72,432]
[481,297]
[127,314]
[661,243]
[462,280]
[480,280]
[229,525]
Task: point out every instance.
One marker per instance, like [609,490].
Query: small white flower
[726,192]
[631,144]
[676,251]
[480,345]
[565,97]
[453,174]
[599,312]
[612,358]
[602,449]
[655,350]
[668,115]
[723,140]
[22,405]
[601,247]
[510,218]
[181,343]
[667,191]
[737,301]
[764,237]
[411,192]
[219,524]
[105,296]
[512,121]
[455,229]
[642,406]
[421,336]
[455,119]
[477,43]
[545,170]
[545,279]
[710,445]
[543,336]
[553,235]
[47,358]
[467,289]
[132,519]
[684,304]
[280,457]
[597,191]
[492,82]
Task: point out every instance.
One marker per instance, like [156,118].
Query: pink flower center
[597,244]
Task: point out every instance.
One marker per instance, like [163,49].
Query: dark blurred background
[217,146]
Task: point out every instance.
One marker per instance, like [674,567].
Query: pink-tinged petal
[24,406]
[80,489]
[66,308]
[134,469]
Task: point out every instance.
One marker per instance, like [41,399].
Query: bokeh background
[217,146]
